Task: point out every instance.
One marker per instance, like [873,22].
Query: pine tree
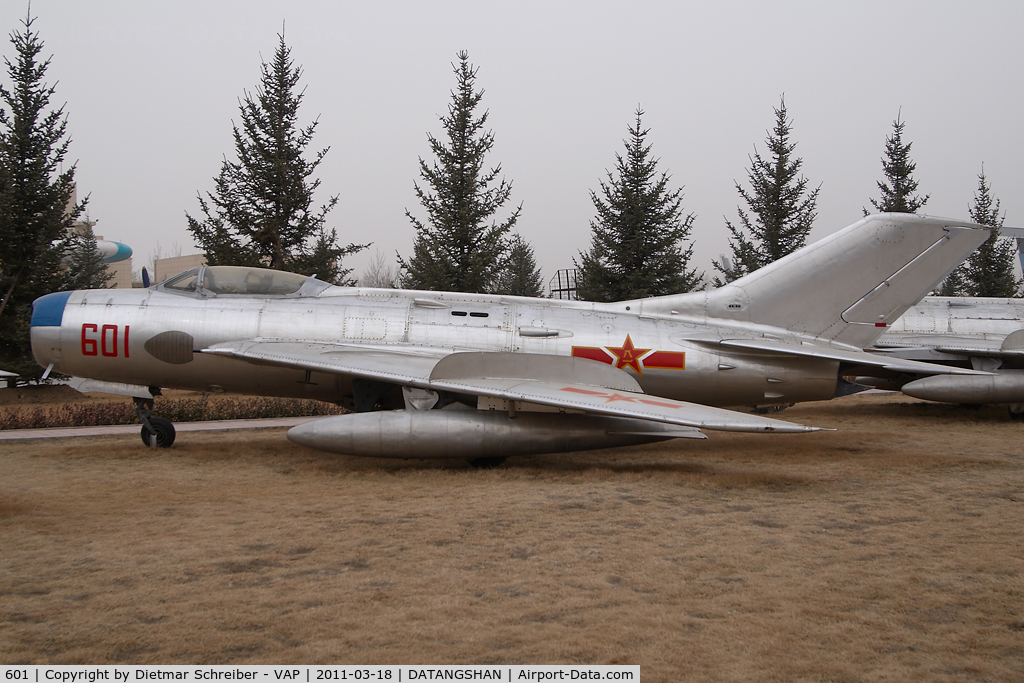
[261,211]
[85,267]
[781,211]
[637,243]
[36,206]
[520,276]
[899,183]
[990,270]
[954,284]
[461,247]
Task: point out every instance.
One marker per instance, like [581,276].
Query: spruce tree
[780,211]
[85,267]
[460,247]
[261,212]
[36,191]
[990,270]
[954,284]
[520,275]
[898,188]
[637,243]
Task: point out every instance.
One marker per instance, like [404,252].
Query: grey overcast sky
[151,90]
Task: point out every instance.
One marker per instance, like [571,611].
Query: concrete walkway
[104,430]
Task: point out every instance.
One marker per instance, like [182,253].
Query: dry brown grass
[39,407]
[888,550]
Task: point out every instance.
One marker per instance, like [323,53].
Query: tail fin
[848,286]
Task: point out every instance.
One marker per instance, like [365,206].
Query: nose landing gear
[156,431]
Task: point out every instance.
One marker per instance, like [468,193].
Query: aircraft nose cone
[47,316]
[304,434]
[48,310]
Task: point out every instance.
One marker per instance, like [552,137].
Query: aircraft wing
[408,368]
[557,381]
[594,399]
[844,356]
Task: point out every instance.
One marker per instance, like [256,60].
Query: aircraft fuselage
[148,337]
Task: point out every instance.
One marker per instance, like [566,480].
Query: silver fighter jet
[981,333]
[453,375]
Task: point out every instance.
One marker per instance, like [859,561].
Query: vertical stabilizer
[848,286]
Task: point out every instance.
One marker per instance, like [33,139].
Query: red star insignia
[609,397]
[615,396]
[628,355]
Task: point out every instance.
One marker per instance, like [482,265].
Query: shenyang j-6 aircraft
[982,333]
[454,375]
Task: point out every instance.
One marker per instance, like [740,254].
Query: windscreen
[183,282]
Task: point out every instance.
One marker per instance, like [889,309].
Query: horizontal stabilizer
[1009,347]
[934,341]
[846,356]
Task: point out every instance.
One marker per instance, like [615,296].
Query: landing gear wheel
[164,430]
[487,463]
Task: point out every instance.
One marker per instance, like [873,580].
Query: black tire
[486,463]
[164,432]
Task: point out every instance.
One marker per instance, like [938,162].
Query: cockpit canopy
[237,280]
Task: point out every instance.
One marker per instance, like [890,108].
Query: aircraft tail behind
[846,287]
